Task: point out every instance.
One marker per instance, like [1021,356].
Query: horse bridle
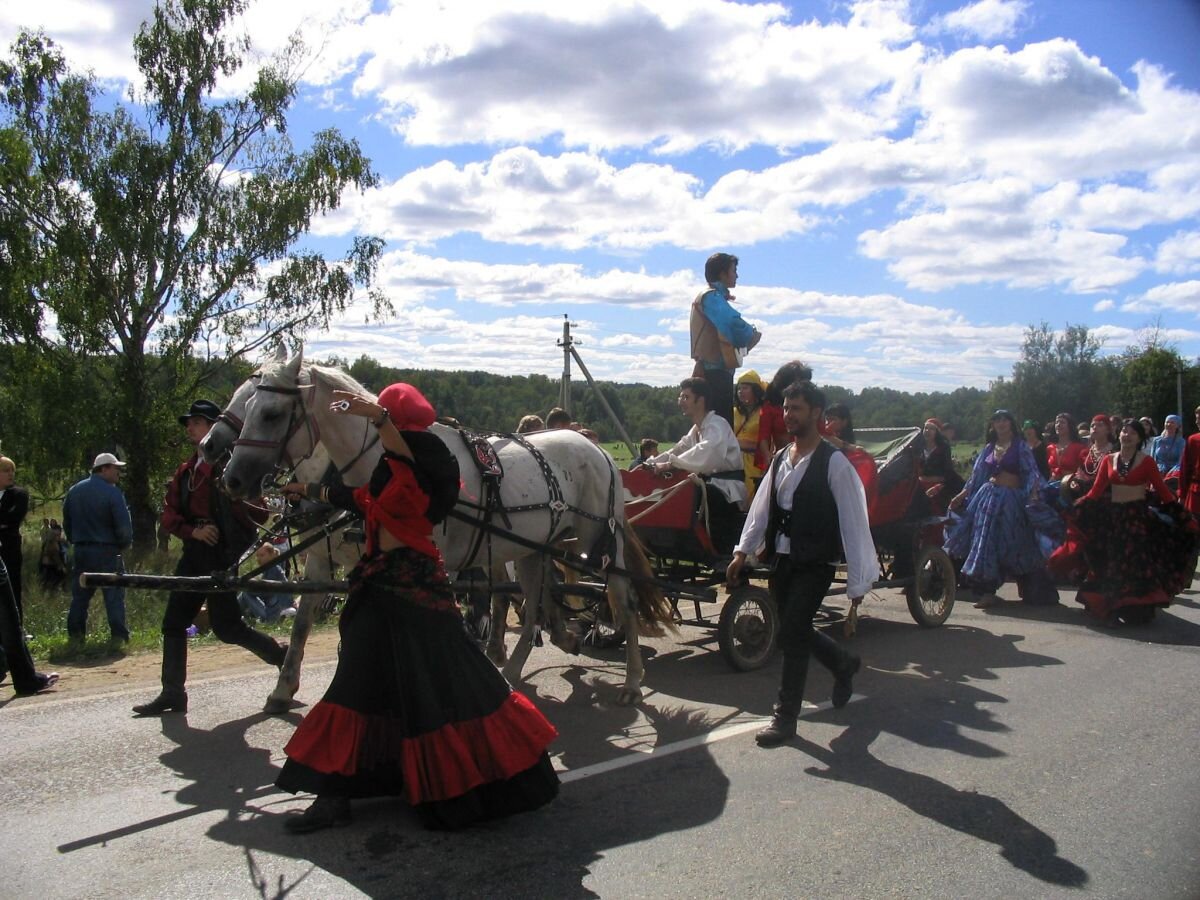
[295,423]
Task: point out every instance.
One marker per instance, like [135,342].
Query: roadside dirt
[107,674]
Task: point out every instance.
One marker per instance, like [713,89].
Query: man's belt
[729,475]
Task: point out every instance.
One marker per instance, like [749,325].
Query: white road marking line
[640,756]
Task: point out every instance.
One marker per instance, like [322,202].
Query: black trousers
[10,553]
[720,393]
[14,654]
[223,611]
[798,592]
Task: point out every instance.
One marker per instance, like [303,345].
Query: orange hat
[936,423]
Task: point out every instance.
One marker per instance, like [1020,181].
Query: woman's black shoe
[163,703]
[325,812]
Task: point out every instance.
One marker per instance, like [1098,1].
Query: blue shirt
[1167,452]
[94,512]
[727,320]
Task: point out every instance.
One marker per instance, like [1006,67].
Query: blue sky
[908,184]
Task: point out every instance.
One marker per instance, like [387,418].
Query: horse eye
[272,416]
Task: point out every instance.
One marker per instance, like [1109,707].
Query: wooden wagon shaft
[206,584]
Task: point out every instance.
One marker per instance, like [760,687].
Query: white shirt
[861,560]
[706,449]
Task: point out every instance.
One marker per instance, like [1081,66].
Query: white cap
[106,459]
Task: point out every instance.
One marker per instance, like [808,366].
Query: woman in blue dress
[994,539]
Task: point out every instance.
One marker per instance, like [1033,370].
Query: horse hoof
[629,696]
[275,707]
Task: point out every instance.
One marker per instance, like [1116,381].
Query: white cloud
[988,20]
[571,201]
[620,73]
[995,232]
[854,341]
[1179,296]
[1179,254]
[1104,305]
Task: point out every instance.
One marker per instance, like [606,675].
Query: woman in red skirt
[414,709]
[1137,555]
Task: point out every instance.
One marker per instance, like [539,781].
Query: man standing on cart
[810,512]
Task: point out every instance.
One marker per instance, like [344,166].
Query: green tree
[1152,374]
[162,231]
[1059,372]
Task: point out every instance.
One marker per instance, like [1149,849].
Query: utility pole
[564,391]
[564,396]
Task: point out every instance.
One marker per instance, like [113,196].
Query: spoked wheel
[931,596]
[749,628]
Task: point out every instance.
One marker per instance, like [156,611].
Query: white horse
[563,487]
[310,463]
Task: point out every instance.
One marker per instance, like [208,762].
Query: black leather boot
[781,730]
[325,812]
[174,675]
[843,681]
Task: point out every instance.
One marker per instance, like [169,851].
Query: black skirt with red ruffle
[415,709]
[1136,556]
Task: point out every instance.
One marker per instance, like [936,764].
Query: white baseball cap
[106,459]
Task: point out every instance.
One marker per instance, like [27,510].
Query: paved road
[1012,753]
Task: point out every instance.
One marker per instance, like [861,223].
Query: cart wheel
[748,629]
[931,596]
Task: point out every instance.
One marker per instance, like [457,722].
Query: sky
[908,184]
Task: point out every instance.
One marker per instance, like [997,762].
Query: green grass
[46,609]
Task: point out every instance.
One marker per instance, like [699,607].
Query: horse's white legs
[497,652]
[535,574]
[316,568]
[626,615]
[280,700]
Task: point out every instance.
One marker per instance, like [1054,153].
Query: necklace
[1124,465]
[1091,462]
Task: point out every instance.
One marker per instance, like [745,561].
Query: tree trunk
[135,424]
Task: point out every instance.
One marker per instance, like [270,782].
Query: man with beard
[809,512]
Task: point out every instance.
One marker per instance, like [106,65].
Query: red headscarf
[1101,417]
[407,407]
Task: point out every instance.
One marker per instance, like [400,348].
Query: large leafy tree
[1059,372]
[161,232]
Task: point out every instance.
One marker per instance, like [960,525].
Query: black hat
[204,408]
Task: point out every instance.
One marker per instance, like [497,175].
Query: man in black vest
[216,532]
[810,512]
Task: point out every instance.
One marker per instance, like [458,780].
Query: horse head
[219,440]
[277,429]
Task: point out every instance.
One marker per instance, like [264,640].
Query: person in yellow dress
[747,409]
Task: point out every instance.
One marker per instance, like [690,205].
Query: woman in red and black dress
[1136,560]
[414,708]
[1066,564]
[1065,455]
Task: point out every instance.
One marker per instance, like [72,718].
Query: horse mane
[334,378]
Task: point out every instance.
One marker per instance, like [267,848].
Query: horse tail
[653,608]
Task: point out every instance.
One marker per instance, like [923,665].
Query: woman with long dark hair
[994,539]
[1065,454]
[1137,559]
[1033,437]
[772,435]
[414,708]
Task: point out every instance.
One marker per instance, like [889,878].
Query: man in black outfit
[14,506]
[810,506]
[216,532]
[14,653]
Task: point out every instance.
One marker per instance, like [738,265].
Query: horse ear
[292,367]
[280,353]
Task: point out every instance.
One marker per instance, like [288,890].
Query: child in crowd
[268,607]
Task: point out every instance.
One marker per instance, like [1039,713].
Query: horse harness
[482,451]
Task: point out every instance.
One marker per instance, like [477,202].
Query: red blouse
[1144,473]
[400,508]
[1069,462]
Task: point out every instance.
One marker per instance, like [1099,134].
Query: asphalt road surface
[1014,752]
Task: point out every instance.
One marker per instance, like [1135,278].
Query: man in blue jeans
[96,522]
